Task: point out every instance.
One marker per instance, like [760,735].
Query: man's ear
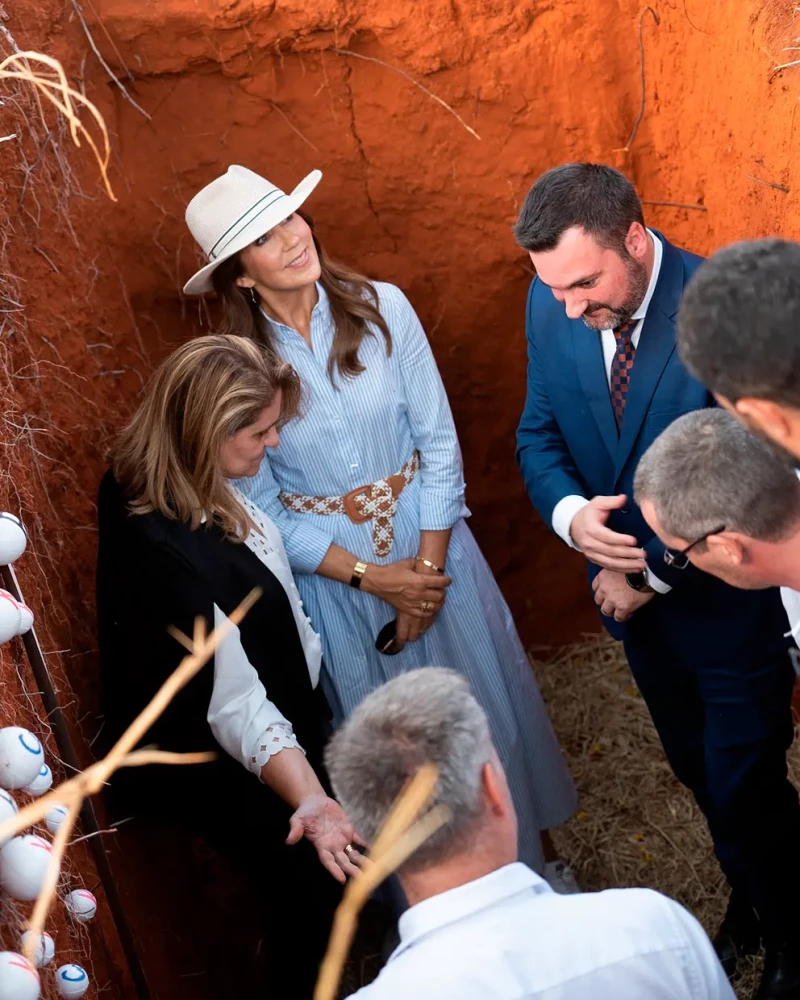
[494,789]
[773,420]
[636,241]
[726,548]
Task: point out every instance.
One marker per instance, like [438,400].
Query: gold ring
[426,606]
[349,849]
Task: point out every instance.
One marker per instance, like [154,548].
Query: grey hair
[427,715]
[706,470]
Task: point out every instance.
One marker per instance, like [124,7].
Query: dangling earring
[253,297]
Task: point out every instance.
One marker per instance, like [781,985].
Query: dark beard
[620,315]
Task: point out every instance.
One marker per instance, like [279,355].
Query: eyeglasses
[679,558]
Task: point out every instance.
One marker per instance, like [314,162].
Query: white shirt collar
[455,904]
[658,253]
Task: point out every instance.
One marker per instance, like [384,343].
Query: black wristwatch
[638,581]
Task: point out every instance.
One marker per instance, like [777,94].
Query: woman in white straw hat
[367,486]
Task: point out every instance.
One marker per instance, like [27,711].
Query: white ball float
[13,538]
[44,951]
[72,981]
[55,816]
[81,904]
[42,783]
[10,616]
[23,863]
[21,756]
[8,808]
[25,618]
[19,980]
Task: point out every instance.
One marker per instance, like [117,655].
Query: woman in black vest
[178,541]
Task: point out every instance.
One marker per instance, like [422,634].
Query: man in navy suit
[604,379]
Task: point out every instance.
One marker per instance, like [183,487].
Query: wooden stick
[358,892]
[394,843]
[50,881]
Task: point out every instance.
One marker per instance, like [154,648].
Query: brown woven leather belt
[376,502]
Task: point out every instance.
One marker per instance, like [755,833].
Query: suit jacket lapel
[656,345]
[588,353]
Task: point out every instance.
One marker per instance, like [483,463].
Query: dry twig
[771,184]
[104,64]
[54,87]
[677,204]
[402,72]
[397,840]
[657,19]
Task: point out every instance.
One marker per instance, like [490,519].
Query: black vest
[154,572]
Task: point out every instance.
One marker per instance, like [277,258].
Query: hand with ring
[426,606]
[323,821]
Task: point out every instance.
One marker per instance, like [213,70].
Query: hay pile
[637,826]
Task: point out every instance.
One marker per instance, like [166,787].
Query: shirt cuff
[279,736]
[563,513]
[438,511]
[658,585]
[306,546]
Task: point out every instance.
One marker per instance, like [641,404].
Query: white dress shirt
[566,508]
[508,936]
[245,723]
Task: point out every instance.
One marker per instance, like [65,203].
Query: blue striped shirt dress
[356,431]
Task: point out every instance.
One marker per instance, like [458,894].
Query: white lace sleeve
[243,720]
[279,736]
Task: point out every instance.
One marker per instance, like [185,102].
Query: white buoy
[13,538]
[81,905]
[55,816]
[21,756]
[10,616]
[42,783]
[44,951]
[25,618]
[72,981]
[8,808]
[19,980]
[23,862]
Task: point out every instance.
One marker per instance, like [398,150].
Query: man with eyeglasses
[725,502]
[604,379]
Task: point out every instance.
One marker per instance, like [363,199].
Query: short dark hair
[599,199]
[706,469]
[739,321]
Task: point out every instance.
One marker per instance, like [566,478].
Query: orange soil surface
[410,195]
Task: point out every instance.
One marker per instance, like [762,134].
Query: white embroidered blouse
[245,723]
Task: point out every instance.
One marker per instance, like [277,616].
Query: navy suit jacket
[567,442]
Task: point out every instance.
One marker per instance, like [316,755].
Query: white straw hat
[234,210]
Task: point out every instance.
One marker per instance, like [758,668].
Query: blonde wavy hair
[167,458]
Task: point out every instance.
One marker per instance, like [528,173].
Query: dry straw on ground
[637,826]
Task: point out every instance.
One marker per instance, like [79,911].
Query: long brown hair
[353,301]
[167,458]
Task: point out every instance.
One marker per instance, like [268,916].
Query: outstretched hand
[323,821]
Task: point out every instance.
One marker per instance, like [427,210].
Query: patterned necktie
[621,366]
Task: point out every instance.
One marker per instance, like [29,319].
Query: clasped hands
[415,591]
[618,554]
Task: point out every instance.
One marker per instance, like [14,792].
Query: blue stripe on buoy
[73,979]
[38,749]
